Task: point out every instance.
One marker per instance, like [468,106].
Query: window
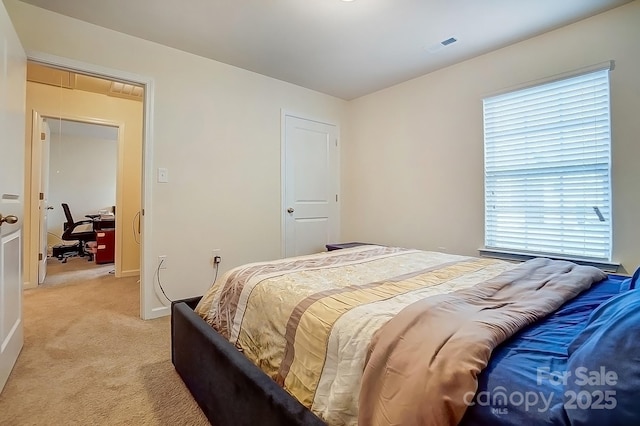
[547,169]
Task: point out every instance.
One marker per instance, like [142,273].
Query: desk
[105,245]
[104,222]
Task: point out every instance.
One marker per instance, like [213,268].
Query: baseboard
[27,285]
[162,311]
[130,273]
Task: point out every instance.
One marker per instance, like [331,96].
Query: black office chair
[82,232]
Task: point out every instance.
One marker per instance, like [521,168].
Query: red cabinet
[105,245]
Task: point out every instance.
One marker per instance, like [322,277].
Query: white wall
[413,161]
[216,128]
[82,173]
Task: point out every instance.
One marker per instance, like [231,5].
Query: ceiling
[66,79]
[344,49]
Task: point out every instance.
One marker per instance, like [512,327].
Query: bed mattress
[308,322]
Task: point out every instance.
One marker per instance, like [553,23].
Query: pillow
[634,280]
[631,282]
[603,368]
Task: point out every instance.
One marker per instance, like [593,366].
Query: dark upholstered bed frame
[228,387]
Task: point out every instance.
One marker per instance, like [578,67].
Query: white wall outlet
[162,261]
[216,256]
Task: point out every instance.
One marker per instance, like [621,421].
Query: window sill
[606,266]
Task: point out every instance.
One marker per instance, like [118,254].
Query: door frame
[284,113]
[146,267]
[43,213]
[36,157]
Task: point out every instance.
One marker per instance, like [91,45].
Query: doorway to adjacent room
[81,171]
[94,131]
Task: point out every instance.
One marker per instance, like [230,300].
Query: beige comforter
[308,321]
[447,340]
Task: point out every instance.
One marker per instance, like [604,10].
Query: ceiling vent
[125,90]
[448,41]
[441,45]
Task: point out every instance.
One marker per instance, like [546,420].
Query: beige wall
[413,157]
[216,128]
[73,104]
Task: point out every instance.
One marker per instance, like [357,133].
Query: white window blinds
[547,168]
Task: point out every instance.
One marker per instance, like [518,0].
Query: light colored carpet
[89,360]
[75,269]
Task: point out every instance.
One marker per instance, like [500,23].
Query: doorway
[82,165]
[68,98]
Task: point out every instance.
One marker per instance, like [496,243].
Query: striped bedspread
[308,321]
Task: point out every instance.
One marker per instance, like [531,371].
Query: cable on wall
[215,277]
[156,277]
[133,227]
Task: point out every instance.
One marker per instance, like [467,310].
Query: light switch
[163,175]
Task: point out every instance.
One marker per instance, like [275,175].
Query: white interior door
[42,135]
[311,176]
[12,116]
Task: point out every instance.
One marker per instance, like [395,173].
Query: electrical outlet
[216,256]
[162,261]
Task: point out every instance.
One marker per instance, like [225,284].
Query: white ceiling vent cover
[441,45]
[448,41]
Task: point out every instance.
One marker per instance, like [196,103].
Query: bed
[387,335]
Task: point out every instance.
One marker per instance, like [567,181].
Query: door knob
[290,210]
[50,208]
[9,219]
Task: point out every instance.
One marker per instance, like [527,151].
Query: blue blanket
[540,376]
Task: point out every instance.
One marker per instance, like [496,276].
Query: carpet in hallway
[89,359]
